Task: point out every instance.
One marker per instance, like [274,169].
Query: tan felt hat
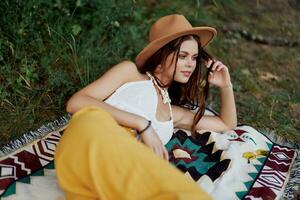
[168,28]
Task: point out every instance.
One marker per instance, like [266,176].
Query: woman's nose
[190,62]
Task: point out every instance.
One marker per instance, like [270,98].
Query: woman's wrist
[227,86]
[139,132]
[142,125]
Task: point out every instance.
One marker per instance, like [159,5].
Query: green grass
[50,50]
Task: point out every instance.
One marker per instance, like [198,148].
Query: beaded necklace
[163,91]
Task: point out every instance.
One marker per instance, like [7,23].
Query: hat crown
[168,25]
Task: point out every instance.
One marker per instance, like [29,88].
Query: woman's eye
[181,56]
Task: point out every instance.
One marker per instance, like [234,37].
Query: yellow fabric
[97,159]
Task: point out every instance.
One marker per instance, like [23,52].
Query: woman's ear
[159,69]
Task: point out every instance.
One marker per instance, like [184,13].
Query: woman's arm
[228,110]
[227,119]
[183,118]
[95,93]
[220,77]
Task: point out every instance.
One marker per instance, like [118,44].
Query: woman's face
[186,63]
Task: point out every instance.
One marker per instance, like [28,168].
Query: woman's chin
[182,79]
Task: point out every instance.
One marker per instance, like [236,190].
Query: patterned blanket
[238,164]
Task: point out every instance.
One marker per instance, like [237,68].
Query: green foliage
[55,48]
[61,46]
[50,49]
[43,43]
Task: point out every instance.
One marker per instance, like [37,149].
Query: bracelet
[148,125]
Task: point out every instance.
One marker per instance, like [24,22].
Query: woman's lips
[186,73]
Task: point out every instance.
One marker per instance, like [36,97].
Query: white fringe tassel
[30,136]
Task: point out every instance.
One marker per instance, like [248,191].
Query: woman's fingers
[220,67]
[166,154]
[215,65]
[158,150]
[161,151]
[219,74]
[155,144]
[209,63]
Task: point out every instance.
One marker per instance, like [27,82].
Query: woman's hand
[151,139]
[219,74]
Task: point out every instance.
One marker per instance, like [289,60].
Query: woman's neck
[162,90]
[163,80]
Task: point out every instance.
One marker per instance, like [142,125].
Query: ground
[43,63]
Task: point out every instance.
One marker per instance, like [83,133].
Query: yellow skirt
[97,159]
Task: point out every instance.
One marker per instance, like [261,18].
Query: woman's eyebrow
[196,54]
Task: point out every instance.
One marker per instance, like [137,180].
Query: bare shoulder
[126,70]
[112,79]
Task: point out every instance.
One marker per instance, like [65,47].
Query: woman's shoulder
[129,69]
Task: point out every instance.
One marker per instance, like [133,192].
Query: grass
[50,50]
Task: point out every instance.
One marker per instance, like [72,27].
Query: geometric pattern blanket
[238,164]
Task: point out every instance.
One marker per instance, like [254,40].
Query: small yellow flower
[249,156]
[261,152]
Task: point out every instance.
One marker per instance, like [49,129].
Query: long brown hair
[192,94]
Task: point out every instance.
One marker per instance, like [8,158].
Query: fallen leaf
[246,72]
[267,76]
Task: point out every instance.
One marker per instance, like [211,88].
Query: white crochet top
[140,98]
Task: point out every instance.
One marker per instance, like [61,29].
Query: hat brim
[206,34]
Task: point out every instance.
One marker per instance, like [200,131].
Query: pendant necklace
[163,91]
